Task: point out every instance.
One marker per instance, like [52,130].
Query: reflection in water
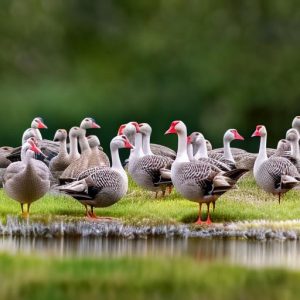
[243,252]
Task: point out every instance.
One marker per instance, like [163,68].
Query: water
[233,251]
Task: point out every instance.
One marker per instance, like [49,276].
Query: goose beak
[256,133]
[95,125]
[41,125]
[237,136]
[171,130]
[128,145]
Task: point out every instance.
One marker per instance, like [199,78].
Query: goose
[197,140]
[98,157]
[27,180]
[197,181]
[276,174]
[149,171]
[102,187]
[129,130]
[60,162]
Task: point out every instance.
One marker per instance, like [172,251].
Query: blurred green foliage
[215,64]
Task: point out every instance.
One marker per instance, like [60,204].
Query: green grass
[152,278]
[247,202]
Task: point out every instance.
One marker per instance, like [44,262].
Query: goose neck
[138,151]
[74,147]
[84,144]
[146,145]
[227,150]
[295,149]
[262,154]
[182,155]
[115,158]
[202,150]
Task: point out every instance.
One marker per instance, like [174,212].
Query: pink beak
[95,125]
[256,133]
[237,136]
[41,125]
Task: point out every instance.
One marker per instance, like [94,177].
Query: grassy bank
[247,202]
[38,278]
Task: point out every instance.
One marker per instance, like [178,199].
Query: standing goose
[151,172]
[276,174]
[98,157]
[129,130]
[27,180]
[197,181]
[102,187]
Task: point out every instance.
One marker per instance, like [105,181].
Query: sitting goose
[276,174]
[129,130]
[197,181]
[28,180]
[102,187]
[151,172]
[98,157]
[197,140]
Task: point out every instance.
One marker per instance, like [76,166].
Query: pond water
[233,251]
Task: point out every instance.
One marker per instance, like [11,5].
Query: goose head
[176,127]
[60,135]
[75,132]
[196,138]
[232,134]
[208,145]
[28,133]
[121,141]
[128,129]
[296,123]
[260,131]
[88,123]
[38,123]
[292,135]
[93,141]
[283,146]
[145,129]
[30,149]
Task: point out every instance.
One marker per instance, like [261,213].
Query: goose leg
[93,216]
[170,188]
[279,197]
[208,220]
[156,195]
[163,193]
[25,214]
[199,221]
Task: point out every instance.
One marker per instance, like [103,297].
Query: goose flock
[81,169]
